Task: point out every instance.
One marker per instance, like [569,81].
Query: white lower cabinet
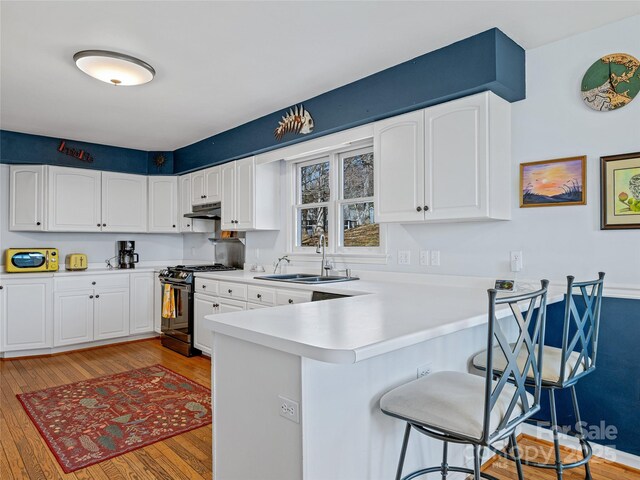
[203,305]
[73,317]
[90,308]
[26,307]
[286,297]
[141,302]
[111,314]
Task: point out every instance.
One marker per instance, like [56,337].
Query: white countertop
[382,317]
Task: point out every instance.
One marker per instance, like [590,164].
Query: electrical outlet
[404,257]
[424,258]
[424,370]
[516,261]
[435,258]
[289,409]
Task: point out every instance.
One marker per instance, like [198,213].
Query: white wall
[97,246]
[551,123]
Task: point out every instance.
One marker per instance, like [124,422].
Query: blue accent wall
[487,61]
[24,148]
[611,394]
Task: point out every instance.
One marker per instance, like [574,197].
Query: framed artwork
[620,191]
[552,183]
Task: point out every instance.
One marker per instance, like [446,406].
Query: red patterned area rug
[90,421]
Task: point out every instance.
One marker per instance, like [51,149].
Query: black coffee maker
[127,257]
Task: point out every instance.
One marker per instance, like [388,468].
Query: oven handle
[179,286]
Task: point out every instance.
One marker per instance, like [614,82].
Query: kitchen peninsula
[325,365]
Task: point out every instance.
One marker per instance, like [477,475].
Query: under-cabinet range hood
[207,211]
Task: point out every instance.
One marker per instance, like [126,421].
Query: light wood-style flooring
[24,455]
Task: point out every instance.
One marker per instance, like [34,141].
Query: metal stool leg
[554,428]
[403,452]
[476,463]
[576,409]
[516,455]
[444,466]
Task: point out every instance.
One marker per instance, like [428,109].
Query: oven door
[178,327]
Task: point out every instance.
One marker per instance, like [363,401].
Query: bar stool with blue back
[565,365]
[458,407]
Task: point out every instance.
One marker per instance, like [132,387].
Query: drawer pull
[204,287]
[259,296]
[93,283]
[230,291]
[291,300]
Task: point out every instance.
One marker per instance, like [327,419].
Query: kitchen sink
[307,278]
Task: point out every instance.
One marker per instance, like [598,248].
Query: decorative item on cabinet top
[297,120]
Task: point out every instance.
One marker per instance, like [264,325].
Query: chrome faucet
[325,266]
[284,257]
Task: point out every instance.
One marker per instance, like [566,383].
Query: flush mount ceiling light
[114,68]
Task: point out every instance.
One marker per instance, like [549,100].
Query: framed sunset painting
[552,183]
[620,190]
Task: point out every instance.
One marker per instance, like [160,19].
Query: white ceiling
[221,64]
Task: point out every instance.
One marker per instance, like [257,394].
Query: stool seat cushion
[551,361]
[449,401]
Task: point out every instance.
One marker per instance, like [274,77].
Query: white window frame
[335,247]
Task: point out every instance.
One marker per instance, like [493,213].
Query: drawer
[206,285]
[261,295]
[285,297]
[256,306]
[80,282]
[237,291]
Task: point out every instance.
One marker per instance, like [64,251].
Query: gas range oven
[177,315]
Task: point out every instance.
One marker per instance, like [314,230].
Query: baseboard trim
[607,453]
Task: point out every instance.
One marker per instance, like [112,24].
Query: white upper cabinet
[249,203]
[163,204]
[27,197]
[184,190]
[74,200]
[450,162]
[399,168]
[205,186]
[124,202]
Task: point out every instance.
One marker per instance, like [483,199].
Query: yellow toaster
[75,261]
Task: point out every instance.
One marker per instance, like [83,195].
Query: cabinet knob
[204,286]
[1,287]
[97,296]
[230,290]
[426,208]
[37,223]
[419,209]
[104,224]
[188,225]
[291,300]
[93,283]
[216,305]
[259,296]
[97,224]
[90,296]
[174,226]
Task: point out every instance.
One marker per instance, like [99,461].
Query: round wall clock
[611,82]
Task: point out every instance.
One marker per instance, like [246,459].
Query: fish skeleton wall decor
[297,120]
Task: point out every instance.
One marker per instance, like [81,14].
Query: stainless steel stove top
[184,273]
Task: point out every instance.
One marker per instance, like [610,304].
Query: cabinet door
[74,200]
[203,305]
[73,317]
[245,194]
[184,184]
[141,303]
[124,202]
[198,188]
[26,319]
[456,159]
[399,168]
[163,204]
[111,310]
[27,198]
[157,303]
[228,207]
[212,184]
